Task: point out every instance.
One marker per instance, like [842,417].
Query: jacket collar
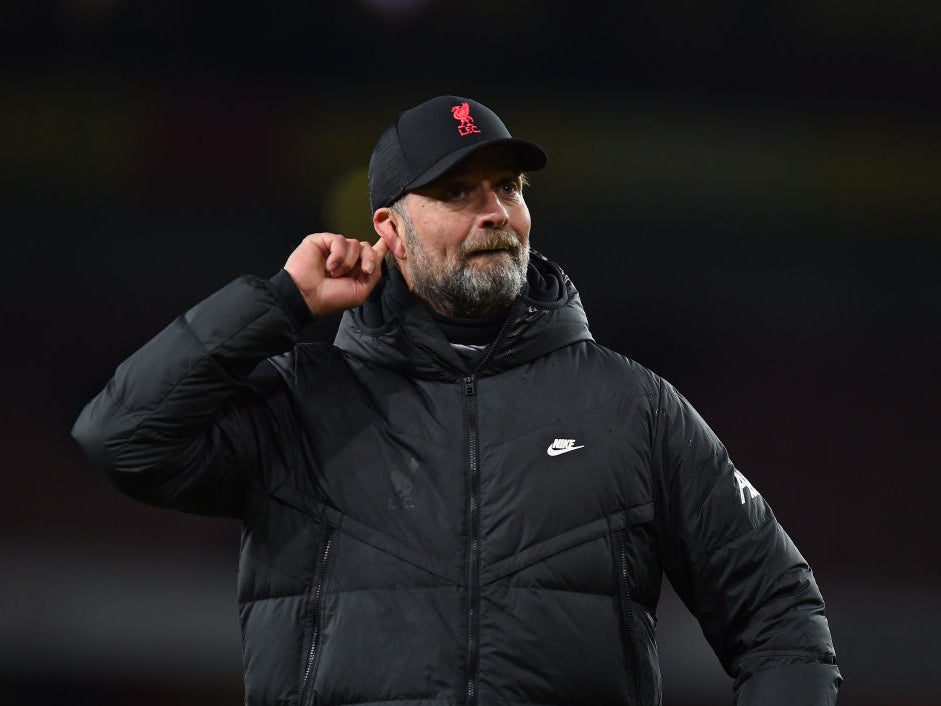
[395,329]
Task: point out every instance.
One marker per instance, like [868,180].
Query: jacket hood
[395,329]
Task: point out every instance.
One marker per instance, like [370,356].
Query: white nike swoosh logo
[558,452]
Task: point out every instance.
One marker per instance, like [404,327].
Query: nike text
[562,446]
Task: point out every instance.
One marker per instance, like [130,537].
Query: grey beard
[461,289]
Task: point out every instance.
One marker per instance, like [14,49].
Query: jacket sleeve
[181,423]
[736,569]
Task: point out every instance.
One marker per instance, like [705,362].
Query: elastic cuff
[291,298]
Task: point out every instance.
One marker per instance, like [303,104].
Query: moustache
[492,240]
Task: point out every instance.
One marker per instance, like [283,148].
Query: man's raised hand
[335,273]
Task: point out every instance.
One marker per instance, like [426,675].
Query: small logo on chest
[562,446]
[403,486]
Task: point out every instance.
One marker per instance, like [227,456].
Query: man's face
[466,236]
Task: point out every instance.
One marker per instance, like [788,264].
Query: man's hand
[335,273]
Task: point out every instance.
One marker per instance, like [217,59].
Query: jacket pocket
[637,624]
[314,631]
[625,609]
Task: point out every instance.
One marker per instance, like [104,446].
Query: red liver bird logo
[462,114]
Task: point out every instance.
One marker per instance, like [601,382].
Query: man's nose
[493,212]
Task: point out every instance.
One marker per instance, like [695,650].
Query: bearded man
[464,499]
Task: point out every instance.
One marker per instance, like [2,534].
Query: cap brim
[529,156]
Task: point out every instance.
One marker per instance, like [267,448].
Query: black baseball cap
[424,142]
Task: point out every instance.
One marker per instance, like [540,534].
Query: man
[464,499]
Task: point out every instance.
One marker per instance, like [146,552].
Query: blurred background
[746,194]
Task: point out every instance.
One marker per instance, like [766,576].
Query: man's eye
[510,187]
[454,192]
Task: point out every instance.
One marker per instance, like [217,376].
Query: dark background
[745,193]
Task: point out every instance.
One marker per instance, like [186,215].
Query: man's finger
[338,252]
[372,256]
[380,248]
[351,257]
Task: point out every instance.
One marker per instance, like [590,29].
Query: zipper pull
[469,386]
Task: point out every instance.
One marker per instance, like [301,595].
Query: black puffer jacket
[418,532]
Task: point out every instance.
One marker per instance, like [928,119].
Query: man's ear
[386,223]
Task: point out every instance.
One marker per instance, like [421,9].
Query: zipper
[472,625]
[628,635]
[472,617]
[316,593]
[472,511]
[498,339]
